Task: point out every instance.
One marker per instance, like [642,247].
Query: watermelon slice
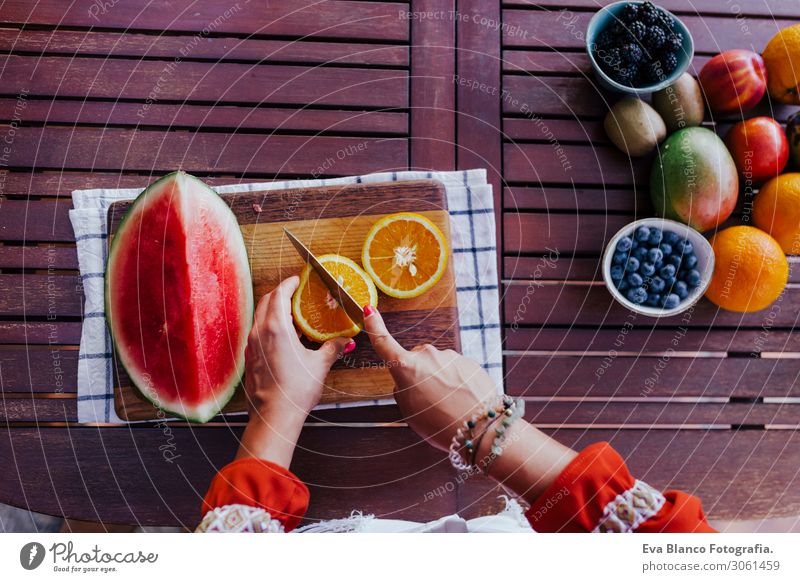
[179,297]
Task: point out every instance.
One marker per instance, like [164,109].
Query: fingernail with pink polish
[368,310]
[351,345]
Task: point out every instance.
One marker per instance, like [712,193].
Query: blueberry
[685,247]
[632,265]
[674,260]
[653,300]
[654,255]
[617,272]
[640,253]
[666,249]
[657,284]
[693,278]
[642,234]
[669,283]
[647,269]
[659,264]
[667,271]
[619,258]
[634,244]
[655,236]
[635,280]
[671,238]
[681,290]
[671,301]
[622,285]
[637,295]
[690,261]
[624,244]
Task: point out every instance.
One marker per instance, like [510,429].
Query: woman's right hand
[437,390]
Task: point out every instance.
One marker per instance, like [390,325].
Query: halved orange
[318,315]
[405,254]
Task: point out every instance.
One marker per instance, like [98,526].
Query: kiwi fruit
[634,126]
[680,104]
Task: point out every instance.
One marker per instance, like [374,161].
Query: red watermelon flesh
[179,297]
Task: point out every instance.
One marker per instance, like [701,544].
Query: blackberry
[651,73]
[648,13]
[674,42]
[630,13]
[632,53]
[611,60]
[654,38]
[605,40]
[665,20]
[626,75]
[618,28]
[637,30]
[669,62]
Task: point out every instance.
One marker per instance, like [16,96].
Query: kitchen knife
[351,307]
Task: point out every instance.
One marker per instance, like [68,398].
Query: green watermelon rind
[225,396]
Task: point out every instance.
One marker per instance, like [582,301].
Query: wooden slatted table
[95,97]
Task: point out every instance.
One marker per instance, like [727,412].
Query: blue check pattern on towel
[472,222]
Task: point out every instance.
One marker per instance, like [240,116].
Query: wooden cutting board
[331,219]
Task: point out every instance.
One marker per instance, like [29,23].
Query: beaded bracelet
[512,414]
[465,435]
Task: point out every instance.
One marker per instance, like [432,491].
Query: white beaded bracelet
[501,410]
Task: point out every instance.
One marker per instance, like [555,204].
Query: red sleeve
[259,483]
[597,492]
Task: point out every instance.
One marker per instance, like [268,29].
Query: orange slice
[405,254]
[318,315]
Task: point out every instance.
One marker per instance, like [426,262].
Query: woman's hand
[438,390]
[283,379]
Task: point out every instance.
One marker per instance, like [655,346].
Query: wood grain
[199,81]
[339,19]
[385,471]
[651,376]
[479,90]
[331,220]
[158,151]
[433,94]
[129,44]
[209,117]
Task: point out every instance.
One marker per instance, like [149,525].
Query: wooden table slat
[339,19]
[121,44]
[644,376]
[39,369]
[213,82]
[162,152]
[205,117]
[613,339]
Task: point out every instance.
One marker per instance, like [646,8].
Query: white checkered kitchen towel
[469,198]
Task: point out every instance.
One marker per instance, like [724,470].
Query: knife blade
[351,307]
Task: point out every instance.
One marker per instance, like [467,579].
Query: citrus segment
[318,315]
[750,269]
[405,254]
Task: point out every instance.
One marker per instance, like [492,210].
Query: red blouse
[596,492]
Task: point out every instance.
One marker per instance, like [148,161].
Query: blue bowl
[603,18]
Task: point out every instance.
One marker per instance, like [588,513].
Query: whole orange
[782,59]
[750,269]
[776,210]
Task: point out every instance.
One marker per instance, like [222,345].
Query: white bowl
[702,249]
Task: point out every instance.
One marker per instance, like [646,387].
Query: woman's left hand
[283,378]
